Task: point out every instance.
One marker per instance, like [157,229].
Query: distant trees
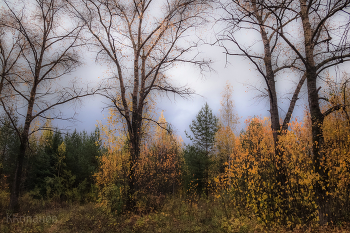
[225,136]
[9,145]
[57,167]
[73,160]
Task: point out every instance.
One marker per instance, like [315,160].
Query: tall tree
[140,40]
[252,15]
[228,116]
[275,58]
[50,54]
[204,128]
[325,44]
[324,27]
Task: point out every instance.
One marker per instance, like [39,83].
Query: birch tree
[225,136]
[275,58]
[254,16]
[325,44]
[49,55]
[141,40]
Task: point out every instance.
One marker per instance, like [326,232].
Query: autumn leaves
[252,180]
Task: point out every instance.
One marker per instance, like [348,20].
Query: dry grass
[176,215]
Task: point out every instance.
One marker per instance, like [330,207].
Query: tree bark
[42,66]
[321,189]
[274,113]
[135,144]
[15,192]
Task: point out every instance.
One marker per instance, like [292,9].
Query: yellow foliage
[157,170]
[252,175]
[251,179]
[159,165]
[111,177]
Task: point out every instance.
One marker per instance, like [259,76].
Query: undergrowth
[176,215]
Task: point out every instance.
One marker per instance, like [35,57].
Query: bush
[111,199]
[4,199]
[32,201]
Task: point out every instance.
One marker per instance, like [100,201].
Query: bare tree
[49,55]
[141,40]
[324,46]
[255,16]
[11,44]
[324,26]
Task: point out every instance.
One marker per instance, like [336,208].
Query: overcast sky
[180,112]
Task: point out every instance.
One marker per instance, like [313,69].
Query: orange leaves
[157,170]
[251,177]
[336,131]
[253,171]
[159,164]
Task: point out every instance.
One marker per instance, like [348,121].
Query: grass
[176,215]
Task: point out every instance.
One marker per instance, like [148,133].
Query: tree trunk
[14,205]
[269,77]
[15,191]
[274,114]
[131,179]
[133,159]
[321,189]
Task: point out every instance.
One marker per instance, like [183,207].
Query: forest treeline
[237,168]
[282,170]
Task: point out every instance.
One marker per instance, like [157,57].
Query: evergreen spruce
[204,128]
[197,157]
